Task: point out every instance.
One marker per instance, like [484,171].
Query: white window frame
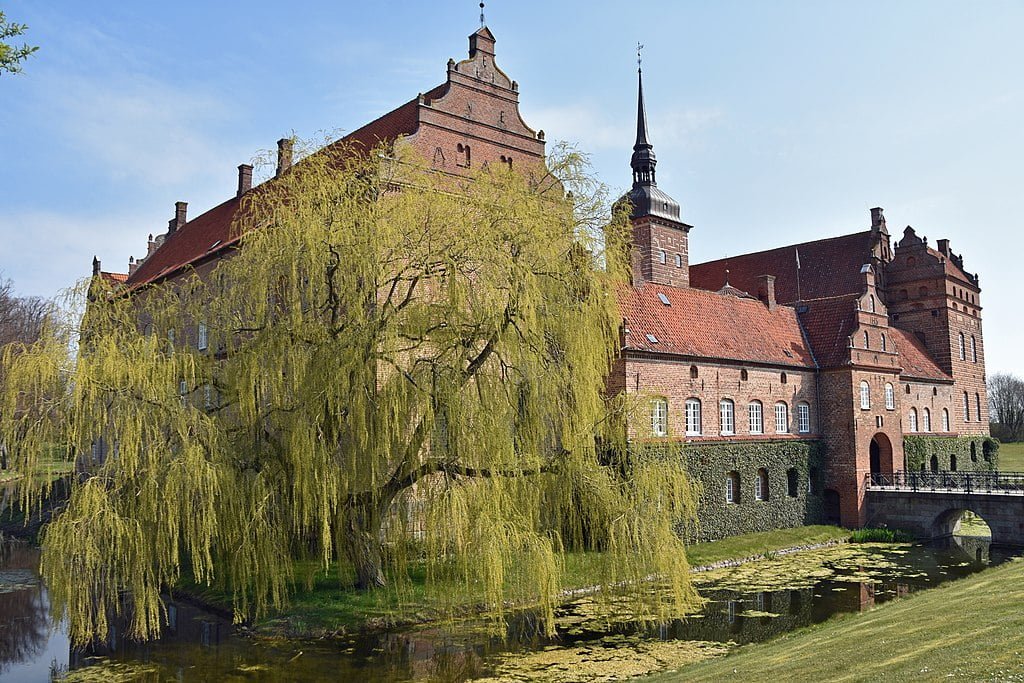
[865,396]
[912,420]
[781,418]
[967,407]
[926,420]
[693,417]
[803,418]
[731,485]
[945,419]
[963,351]
[890,397]
[755,417]
[761,485]
[867,340]
[662,256]
[727,416]
[659,417]
[202,337]
[679,260]
[183,391]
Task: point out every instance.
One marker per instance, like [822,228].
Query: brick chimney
[944,248]
[284,156]
[877,219]
[245,178]
[180,217]
[766,290]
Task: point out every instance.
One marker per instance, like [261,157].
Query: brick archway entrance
[880,454]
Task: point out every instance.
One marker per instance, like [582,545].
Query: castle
[784,378]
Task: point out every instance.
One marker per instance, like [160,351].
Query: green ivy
[709,464]
[919,450]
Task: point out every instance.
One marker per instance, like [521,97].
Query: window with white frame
[662,256]
[781,418]
[732,487]
[912,420]
[945,419]
[755,417]
[761,485]
[803,418]
[183,391]
[865,396]
[727,416]
[871,303]
[692,417]
[867,340]
[890,397]
[963,352]
[659,417]
[967,407]
[202,337]
[926,421]
[679,260]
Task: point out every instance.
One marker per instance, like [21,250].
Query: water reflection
[200,645]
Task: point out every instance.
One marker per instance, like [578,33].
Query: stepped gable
[711,325]
[478,104]
[829,322]
[828,267]
[914,358]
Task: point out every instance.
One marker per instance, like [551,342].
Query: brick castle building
[784,378]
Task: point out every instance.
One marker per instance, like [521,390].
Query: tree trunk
[363,522]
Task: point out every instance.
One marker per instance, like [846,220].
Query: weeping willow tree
[394,368]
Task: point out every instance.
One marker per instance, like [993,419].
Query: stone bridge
[930,504]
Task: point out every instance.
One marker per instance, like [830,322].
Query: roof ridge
[783,247]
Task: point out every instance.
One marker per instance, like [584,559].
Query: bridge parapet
[1002,483]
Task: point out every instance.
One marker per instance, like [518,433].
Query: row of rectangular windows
[727,417]
[732,485]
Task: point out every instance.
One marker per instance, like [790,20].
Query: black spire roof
[645,196]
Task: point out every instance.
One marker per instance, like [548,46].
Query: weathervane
[639,56]
[482,24]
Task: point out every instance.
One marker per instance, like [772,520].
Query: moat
[748,603]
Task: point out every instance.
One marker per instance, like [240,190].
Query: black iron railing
[957,482]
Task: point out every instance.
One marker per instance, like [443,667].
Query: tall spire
[643,161]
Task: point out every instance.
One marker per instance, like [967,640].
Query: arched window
[727,416]
[783,378]
[967,407]
[693,372]
[945,419]
[890,397]
[912,419]
[963,352]
[781,418]
[693,417]
[732,487]
[865,396]
[867,340]
[922,292]
[871,303]
[977,407]
[755,417]
[679,260]
[792,482]
[662,256]
[803,418]
[926,421]
[761,485]
[743,375]
[883,342]
[974,349]
[659,417]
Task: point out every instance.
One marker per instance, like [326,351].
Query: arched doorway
[830,498]
[879,457]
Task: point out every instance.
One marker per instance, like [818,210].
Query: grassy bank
[1011,457]
[325,603]
[971,629]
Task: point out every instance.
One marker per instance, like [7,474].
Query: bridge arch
[950,522]
[880,456]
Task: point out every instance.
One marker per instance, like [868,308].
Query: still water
[744,604]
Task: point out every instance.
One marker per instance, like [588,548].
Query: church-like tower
[661,249]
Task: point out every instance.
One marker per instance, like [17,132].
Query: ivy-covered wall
[710,464]
[971,453]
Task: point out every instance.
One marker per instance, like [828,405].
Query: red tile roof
[828,267]
[829,323]
[914,358]
[114,277]
[712,325]
[211,233]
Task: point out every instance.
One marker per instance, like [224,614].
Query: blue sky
[773,122]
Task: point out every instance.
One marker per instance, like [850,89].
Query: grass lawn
[332,604]
[1011,457]
[972,629]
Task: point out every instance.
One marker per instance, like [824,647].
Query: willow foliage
[401,367]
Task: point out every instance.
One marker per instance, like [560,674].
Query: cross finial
[482,23]
[639,55]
